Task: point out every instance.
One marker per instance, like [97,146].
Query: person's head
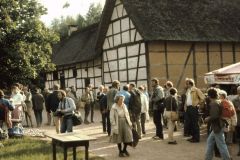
[67,90]
[72,88]
[25,88]
[15,89]
[222,94]
[56,87]
[169,84]
[1,93]
[35,90]
[141,88]
[212,93]
[105,89]
[131,86]
[155,82]
[115,84]
[125,88]
[90,86]
[173,91]
[190,83]
[61,94]
[101,87]
[144,87]
[119,99]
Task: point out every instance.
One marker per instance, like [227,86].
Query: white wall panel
[142,61]
[125,37]
[125,24]
[109,32]
[120,10]
[98,81]
[123,76]
[114,75]
[142,48]
[71,82]
[139,83]
[112,54]
[132,32]
[142,73]
[124,12]
[79,83]
[122,52]
[114,15]
[84,72]
[116,27]
[105,44]
[107,78]
[79,74]
[138,37]
[98,71]
[131,24]
[90,72]
[113,65]
[133,50]
[132,62]
[105,66]
[117,39]
[110,42]
[132,74]
[122,64]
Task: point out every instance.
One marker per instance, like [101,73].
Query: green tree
[94,14]
[25,42]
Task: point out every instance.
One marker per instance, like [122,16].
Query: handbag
[135,138]
[173,114]
[77,118]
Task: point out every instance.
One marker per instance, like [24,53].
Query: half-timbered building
[168,39]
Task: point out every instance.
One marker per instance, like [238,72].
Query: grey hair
[116,99]
[223,93]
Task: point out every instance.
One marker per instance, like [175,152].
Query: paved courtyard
[147,149]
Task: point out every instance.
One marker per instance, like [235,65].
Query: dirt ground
[147,149]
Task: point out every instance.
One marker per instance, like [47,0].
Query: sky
[56,10]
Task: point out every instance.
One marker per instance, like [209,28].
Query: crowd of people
[128,108]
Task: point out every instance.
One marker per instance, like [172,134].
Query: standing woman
[38,102]
[66,107]
[120,125]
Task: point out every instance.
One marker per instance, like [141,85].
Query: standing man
[236,103]
[28,102]
[156,98]
[52,105]
[126,94]
[194,97]
[92,101]
[135,106]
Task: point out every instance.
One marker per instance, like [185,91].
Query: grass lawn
[35,149]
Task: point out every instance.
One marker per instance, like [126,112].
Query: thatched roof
[79,47]
[183,20]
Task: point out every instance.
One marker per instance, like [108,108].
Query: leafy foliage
[60,26]
[25,42]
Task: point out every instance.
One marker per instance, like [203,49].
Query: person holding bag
[171,114]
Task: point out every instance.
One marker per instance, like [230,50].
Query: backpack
[227,110]
[135,103]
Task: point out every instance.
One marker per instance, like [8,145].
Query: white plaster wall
[114,75]
[132,32]
[132,74]
[105,44]
[142,48]
[71,82]
[97,71]
[125,37]
[79,73]
[142,61]
[106,69]
[123,76]
[116,27]
[122,64]
[49,76]
[90,72]
[131,24]
[133,50]
[107,78]
[138,37]
[109,32]
[132,62]
[110,41]
[111,54]
[122,52]
[124,12]
[117,39]
[139,83]
[114,15]
[84,73]
[79,83]
[113,65]
[142,73]
[120,10]
[98,82]
[125,24]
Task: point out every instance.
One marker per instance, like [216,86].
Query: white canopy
[226,75]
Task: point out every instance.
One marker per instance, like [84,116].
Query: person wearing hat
[236,103]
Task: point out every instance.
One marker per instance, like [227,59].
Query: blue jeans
[67,124]
[221,144]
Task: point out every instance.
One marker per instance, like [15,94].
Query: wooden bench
[70,140]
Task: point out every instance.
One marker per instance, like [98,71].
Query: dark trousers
[38,116]
[157,119]
[143,120]
[192,114]
[87,111]
[106,122]
[92,110]
[187,127]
